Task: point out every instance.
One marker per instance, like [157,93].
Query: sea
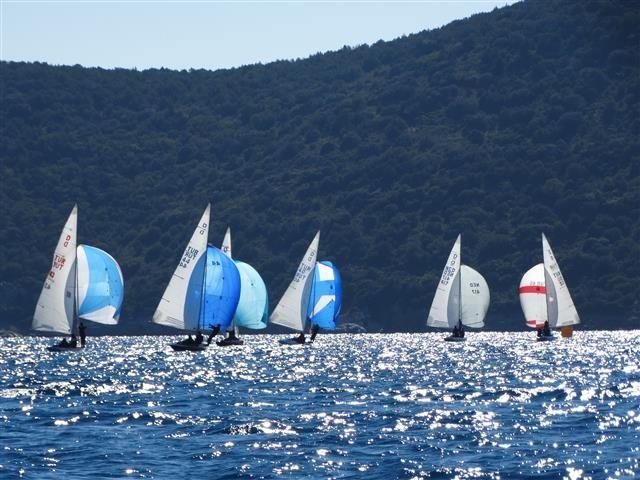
[498,406]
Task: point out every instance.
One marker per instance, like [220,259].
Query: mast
[311,298]
[202,291]
[546,287]
[76,307]
[460,287]
[75,294]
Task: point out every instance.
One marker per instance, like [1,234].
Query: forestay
[100,286]
[180,303]
[291,310]
[221,290]
[55,308]
[440,315]
[253,306]
[326,296]
[561,309]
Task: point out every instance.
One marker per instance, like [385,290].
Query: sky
[209,34]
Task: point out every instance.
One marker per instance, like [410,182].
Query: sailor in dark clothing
[314,331]
[546,330]
[199,338]
[539,329]
[83,334]
[300,339]
[455,332]
[74,341]
[214,332]
[460,329]
[64,343]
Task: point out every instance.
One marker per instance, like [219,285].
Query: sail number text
[189,254]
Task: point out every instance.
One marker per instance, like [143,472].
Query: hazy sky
[209,34]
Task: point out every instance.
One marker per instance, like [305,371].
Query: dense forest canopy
[500,126]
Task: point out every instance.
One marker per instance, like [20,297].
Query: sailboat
[203,292]
[253,306]
[545,297]
[461,299]
[84,283]
[291,310]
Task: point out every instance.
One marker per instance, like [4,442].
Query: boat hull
[454,339]
[58,348]
[188,348]
[289,341]
[545,338]
[230,342]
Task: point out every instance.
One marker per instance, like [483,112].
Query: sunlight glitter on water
[398,406]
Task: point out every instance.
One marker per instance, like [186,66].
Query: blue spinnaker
[100,286]
[326,296]
[221,290]
[253,307]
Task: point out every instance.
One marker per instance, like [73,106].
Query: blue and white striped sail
[221,291]
[326,296]
[100,286]
[253,307]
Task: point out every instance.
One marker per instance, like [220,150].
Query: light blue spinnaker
[326,296]
[100,286]
[253,307]
[221,290]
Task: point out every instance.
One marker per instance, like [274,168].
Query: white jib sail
[475,297]
[171,309]
[438,315]
[291,310]
[55,307]
[566,310]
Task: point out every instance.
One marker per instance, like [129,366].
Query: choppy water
[349,406]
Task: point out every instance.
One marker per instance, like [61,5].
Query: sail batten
[179,305]
[291,310]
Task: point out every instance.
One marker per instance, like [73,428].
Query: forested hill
[501,126]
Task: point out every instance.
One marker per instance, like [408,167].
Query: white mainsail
[560,307]
[56,304]
[226,243]
[291,310]
[173,310]
[439,315]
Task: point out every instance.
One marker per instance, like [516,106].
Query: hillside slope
[499,127]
